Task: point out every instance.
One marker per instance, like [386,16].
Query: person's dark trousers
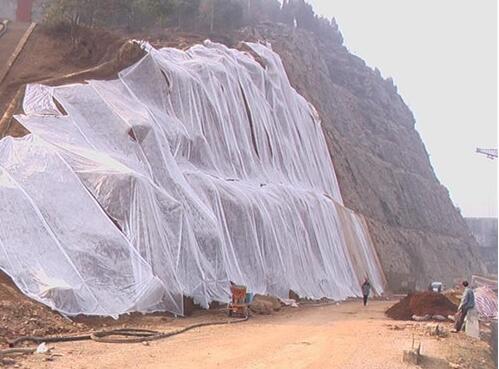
[365,299]
[461,314]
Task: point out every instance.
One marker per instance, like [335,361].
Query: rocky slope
[382,165]
[484,230]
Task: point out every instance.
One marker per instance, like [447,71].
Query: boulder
[274,301]
[261,307]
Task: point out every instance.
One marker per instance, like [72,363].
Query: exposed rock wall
[8,9]
[382,165]
[485,232]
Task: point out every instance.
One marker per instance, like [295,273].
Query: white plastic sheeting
[58,244]
[193,169]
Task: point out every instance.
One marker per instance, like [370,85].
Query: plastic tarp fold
[192,169]
[64,250]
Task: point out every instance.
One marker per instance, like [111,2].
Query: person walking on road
[366,289]
[467,303]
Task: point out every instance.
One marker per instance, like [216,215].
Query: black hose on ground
[39,339]
[146,336]
[17,350]
[105,336]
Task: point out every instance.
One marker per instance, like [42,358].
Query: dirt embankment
[21,316]
[50,53]
[53,57]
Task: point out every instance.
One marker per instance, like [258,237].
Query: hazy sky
[442,55]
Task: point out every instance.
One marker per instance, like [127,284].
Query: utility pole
[212,15]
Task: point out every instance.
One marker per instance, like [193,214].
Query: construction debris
[472,327]
[439,317]
[436,330]
[419,318]
[289,302]
[413,356]
[422,306]
[42,348]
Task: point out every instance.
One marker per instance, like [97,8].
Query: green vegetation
[187,15]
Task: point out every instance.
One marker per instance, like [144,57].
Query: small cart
[238,305]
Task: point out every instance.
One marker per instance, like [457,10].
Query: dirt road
[334,336]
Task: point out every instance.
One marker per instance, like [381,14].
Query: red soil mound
[20,316]
[421,303]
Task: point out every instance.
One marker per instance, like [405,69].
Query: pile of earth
[422,304]
[20,316]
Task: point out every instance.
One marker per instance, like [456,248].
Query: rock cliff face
[484,230]
[382,165]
